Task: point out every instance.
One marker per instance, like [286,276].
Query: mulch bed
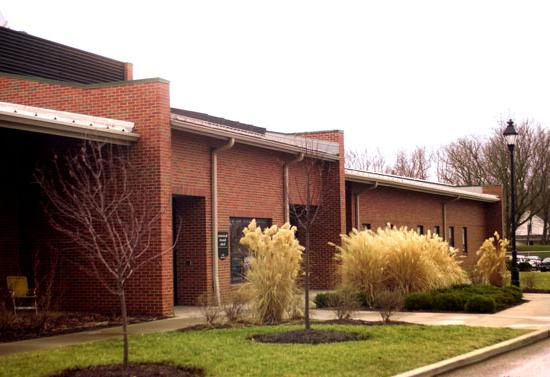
[134,370]
[311,336]
[27,325]
[360,322]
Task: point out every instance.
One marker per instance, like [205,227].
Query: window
[437,230]
[238,252]
[366,226]
[420,229]
[451,238]
[465,240]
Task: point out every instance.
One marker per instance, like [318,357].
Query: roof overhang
[417,185]
[62,123]
[200,127]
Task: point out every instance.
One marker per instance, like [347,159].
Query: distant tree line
[473,161]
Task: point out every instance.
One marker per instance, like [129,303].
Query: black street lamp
[511,135]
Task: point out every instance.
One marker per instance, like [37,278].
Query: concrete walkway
[534,314]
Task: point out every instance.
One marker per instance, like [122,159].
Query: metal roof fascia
[464,195]
[200,129]
[52,127]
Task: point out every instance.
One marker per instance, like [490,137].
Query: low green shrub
[455,298]
[325,300]
[419,301]
[480,304]
[449,301]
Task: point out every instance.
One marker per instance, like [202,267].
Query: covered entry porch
[30,137]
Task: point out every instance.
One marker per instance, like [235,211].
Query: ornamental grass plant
[396,259]
[273,266]
[490,267]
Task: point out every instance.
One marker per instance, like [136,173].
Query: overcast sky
[391,74]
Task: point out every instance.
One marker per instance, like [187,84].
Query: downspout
[357,207]
[444,214]
[214,188]
[286,203]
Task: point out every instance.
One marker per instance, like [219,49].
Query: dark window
[420,229]
[366,226]
[465,239]
[436,230]
[451,237]
[237,251]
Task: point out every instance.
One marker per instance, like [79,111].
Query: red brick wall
[410,208]
[331,221]
[190,256]
[146,103]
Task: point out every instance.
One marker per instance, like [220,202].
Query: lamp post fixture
[511,135]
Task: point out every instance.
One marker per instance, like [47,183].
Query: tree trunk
[124,314]
[306,283]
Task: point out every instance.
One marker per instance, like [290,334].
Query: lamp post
[511,135]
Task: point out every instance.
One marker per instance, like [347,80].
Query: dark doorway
[238,252]
[190,251]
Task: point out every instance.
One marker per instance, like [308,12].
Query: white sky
[391,74]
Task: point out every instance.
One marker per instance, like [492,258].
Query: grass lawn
[542,279]
[524,247]
[227,352]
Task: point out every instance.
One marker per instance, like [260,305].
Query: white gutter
[199,127]
[215,269]
[417,185]
[286,203]
[62,123]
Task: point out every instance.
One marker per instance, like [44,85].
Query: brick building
[207,175]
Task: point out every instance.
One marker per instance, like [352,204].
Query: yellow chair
[21,296]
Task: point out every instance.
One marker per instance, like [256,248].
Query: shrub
[480,304]
[419,301]
[490,267]
[274,264]
[396,259]
[235,307]
[344,303]
[449,301]
[211,313]
[515,292]
[524,267]
[323,300]
[387,302]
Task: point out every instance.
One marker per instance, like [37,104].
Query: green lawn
[523,247]
[541,279]
[227,352]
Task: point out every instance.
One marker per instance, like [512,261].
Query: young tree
[311,189]
[474,161]
[363,160]
[414,165]
[91,202]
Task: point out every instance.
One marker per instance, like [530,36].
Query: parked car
[534,261]
[545,264]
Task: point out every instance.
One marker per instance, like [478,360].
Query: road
[531,361]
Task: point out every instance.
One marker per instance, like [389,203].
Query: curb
[476,356]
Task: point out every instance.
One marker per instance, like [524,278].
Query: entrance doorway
[190,251]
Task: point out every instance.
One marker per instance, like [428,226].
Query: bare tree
[414,165]
[363,160]
[91,201]
[311,189]
[475,161]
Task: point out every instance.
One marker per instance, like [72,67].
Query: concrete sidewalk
[534,314]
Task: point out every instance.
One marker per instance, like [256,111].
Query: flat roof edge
[79,85]
[426,189]
[243,138]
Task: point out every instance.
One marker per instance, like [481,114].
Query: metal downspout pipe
[286,203]
[214,189]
